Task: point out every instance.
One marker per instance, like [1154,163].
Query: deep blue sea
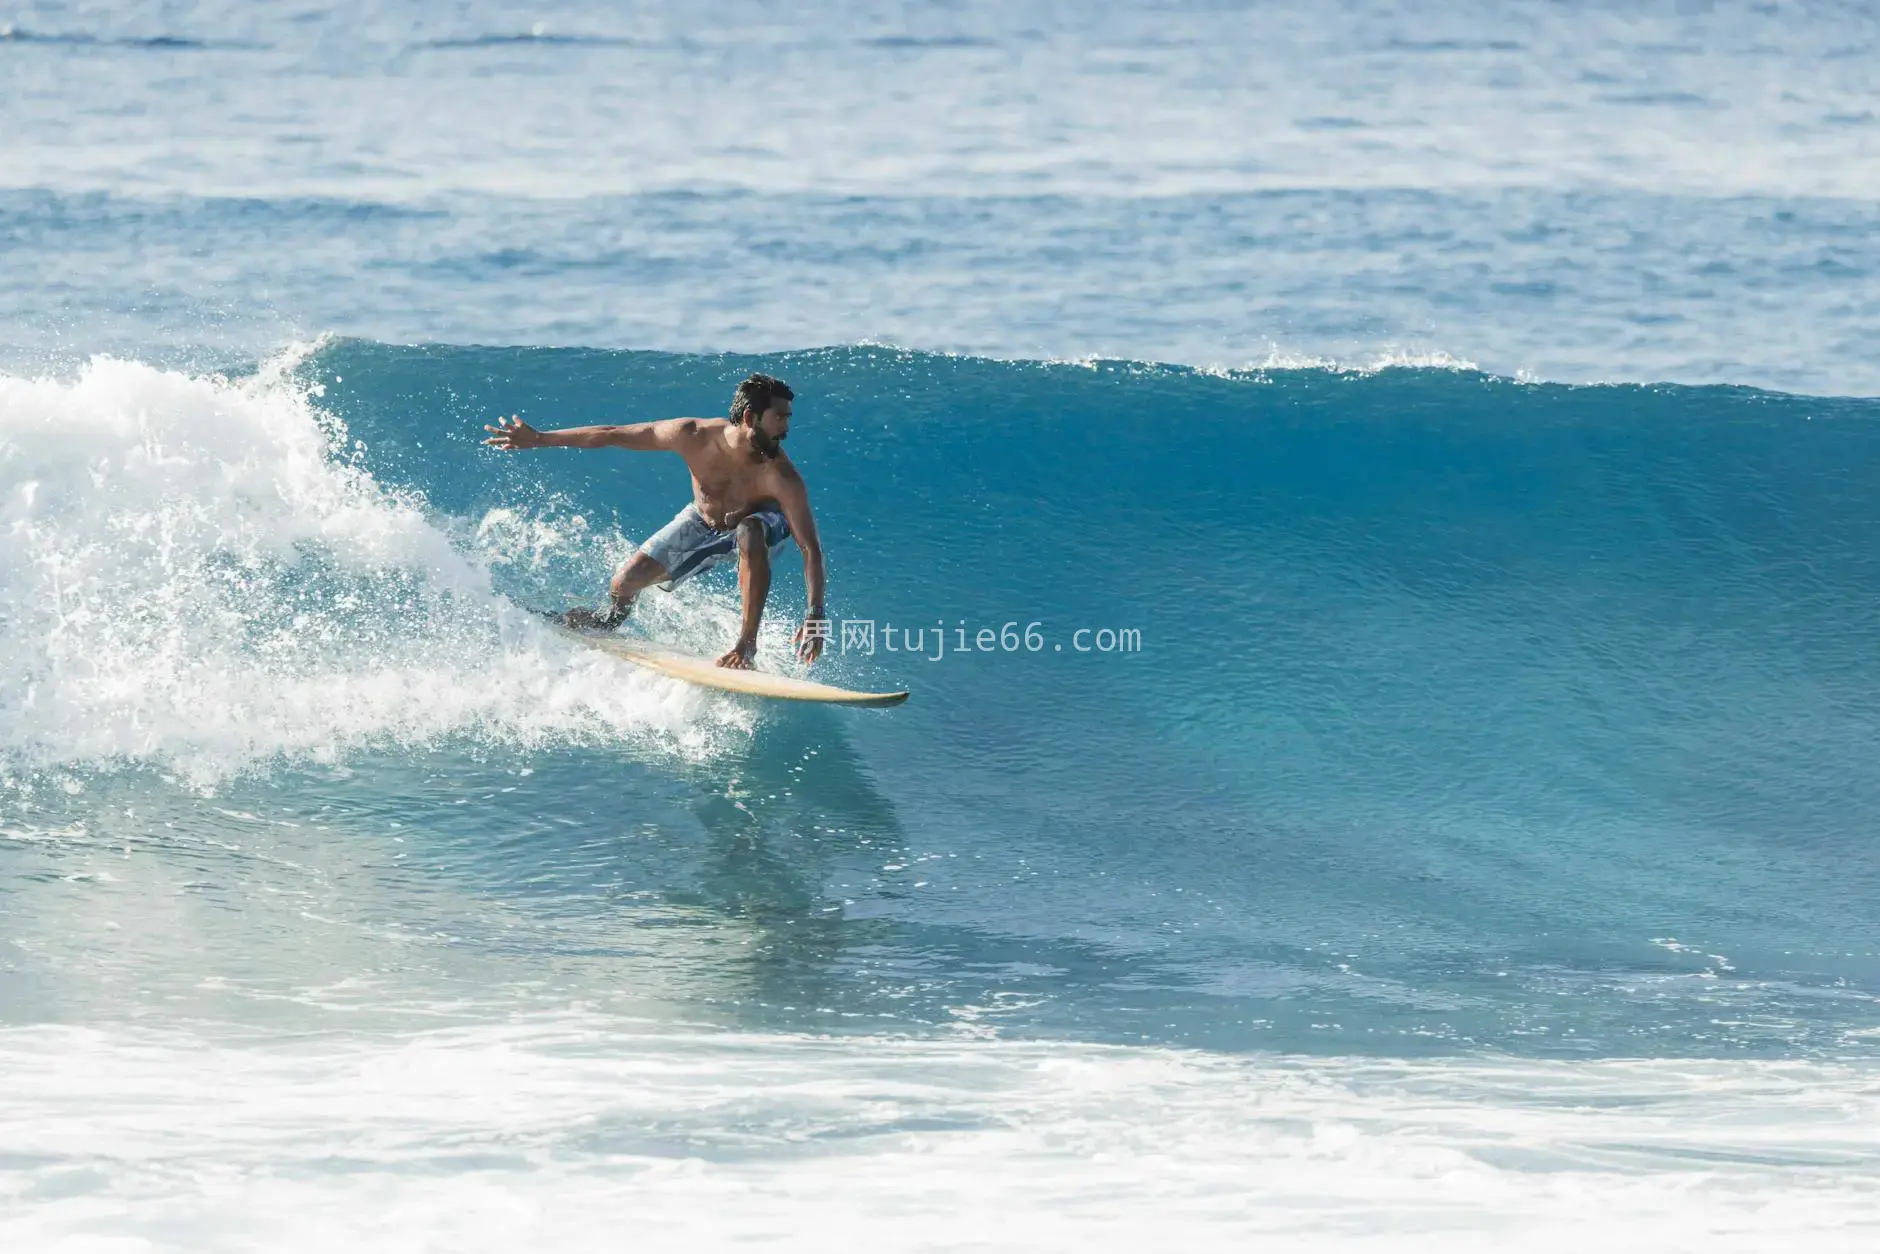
[1377,507]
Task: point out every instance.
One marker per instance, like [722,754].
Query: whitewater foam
[201,574]
[564,1133]
[1374,363]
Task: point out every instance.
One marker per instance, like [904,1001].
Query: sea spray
[200,572]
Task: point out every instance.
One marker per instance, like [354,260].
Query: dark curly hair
[757,394]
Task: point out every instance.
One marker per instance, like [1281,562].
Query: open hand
[738,656]
[512,433]
[810,636]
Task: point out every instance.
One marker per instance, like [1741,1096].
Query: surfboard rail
[707,674]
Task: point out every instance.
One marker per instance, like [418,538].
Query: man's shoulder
[785,469]
[699,434]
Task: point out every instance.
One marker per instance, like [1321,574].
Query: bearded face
[771,429]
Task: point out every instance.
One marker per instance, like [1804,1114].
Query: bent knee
[636,572]
[751,539]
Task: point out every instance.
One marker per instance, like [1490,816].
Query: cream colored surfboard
[705,673]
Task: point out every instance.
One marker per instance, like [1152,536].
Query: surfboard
[707,674]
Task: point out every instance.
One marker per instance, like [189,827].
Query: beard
[767,445]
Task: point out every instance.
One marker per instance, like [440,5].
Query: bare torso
[729,479]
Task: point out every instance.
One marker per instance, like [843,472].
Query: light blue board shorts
[686,546]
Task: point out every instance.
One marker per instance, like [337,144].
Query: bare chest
[726,488]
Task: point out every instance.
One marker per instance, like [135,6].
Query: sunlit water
[1463,842]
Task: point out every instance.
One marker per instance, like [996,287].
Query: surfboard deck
[707,674]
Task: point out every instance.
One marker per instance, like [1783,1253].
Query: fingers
[808,647]
[503,434]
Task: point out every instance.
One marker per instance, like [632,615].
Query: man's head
[763,405]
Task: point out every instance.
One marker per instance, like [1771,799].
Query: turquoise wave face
[1397,713]
[1463,711]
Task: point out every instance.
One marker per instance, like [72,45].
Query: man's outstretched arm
[670,435]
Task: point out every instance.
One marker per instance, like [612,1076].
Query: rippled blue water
[1602,192]
[1467,836]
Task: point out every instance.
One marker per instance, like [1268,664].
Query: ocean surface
[1378,508]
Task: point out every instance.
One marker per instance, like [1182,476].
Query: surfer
[747,499]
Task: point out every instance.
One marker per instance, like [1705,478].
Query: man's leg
[635,574]
[754,587]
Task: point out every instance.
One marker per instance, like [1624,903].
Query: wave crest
[200,573]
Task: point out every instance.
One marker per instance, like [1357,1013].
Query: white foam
[200,574]
[1375,361]
[587,1134]
[1372,363]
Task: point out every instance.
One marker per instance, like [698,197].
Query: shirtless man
[746,498]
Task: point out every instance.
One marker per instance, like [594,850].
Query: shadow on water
[791,828]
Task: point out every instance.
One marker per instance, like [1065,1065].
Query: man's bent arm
[794,501]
